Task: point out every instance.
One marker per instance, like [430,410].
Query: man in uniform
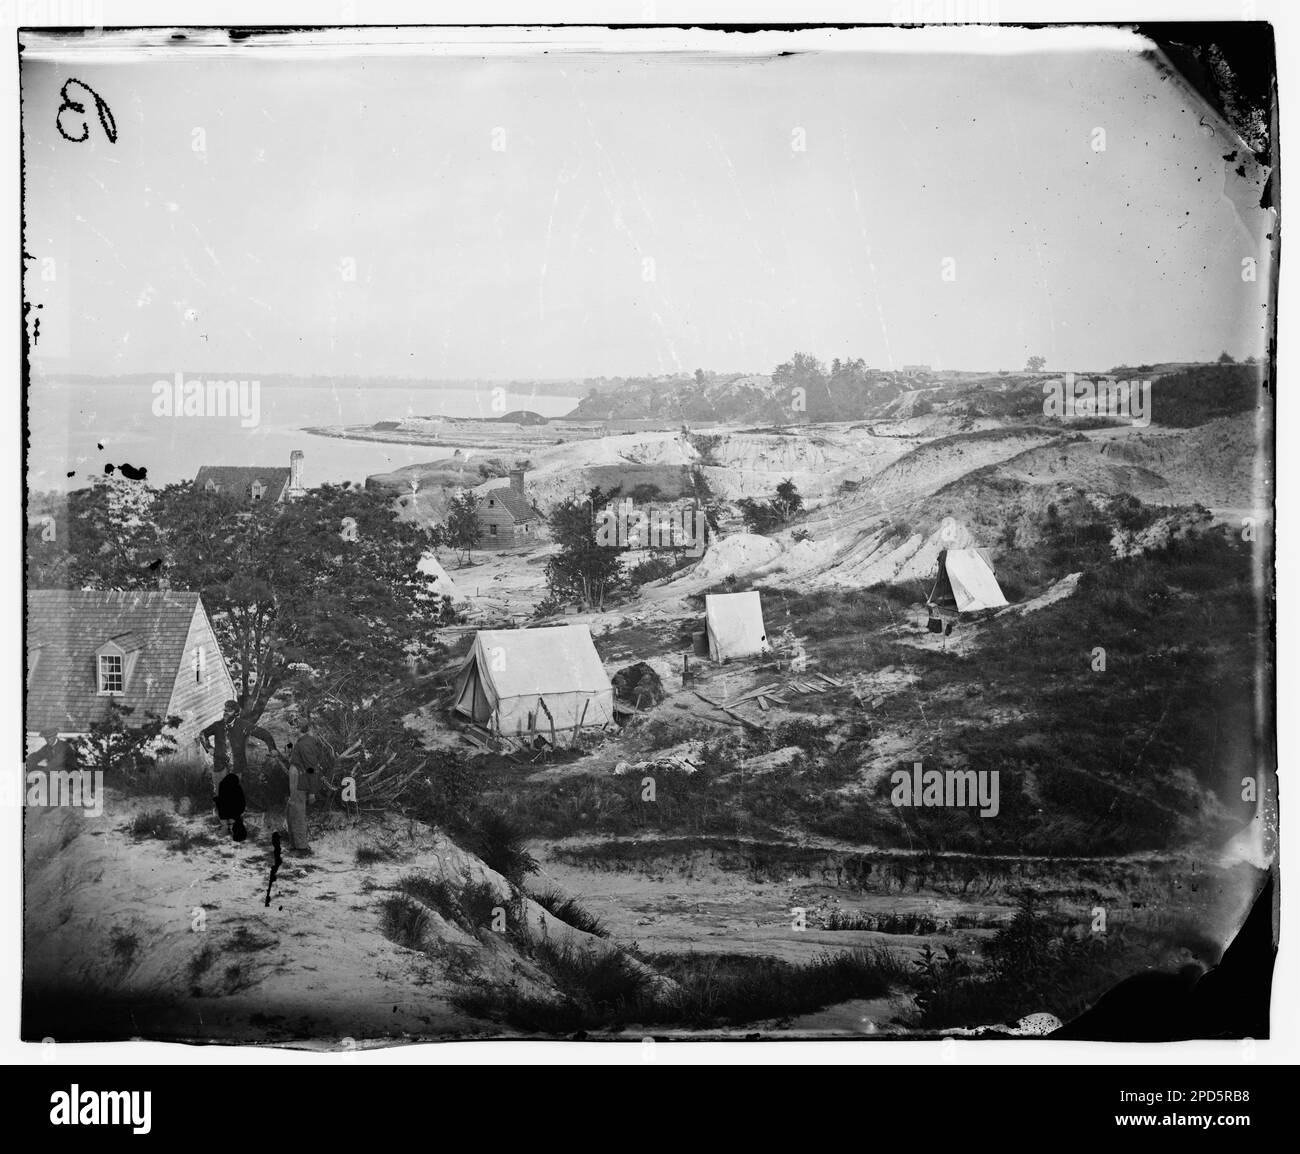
[226,740]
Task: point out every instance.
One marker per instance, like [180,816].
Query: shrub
[653,568]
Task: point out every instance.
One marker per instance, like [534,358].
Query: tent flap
[966,582]
[735,625]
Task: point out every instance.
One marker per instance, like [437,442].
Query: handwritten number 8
[105,113]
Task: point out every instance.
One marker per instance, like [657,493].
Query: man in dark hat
[226,740]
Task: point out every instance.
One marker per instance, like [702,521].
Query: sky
[564,217]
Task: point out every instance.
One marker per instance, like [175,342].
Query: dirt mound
[638,684]
[171,937]
[739,553]
[931,466]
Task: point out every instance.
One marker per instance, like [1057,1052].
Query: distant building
[508,518]
[915,370]
[153,652]
[254,482]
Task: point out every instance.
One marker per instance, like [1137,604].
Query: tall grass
[609,992]
[570,911]
[403,921]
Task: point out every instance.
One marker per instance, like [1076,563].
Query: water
[79,427]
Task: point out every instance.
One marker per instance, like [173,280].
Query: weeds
[570,911]
[501,844]
[201,962]
[611,992]
[125,945]
[156,823]
[368,855]
[403,921]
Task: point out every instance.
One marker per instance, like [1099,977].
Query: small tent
[966,583]
[734,623]
[512,679]
[439,584]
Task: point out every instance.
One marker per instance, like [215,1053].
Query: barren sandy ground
[212,962]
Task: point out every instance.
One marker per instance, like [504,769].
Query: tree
[759,516]
[1225,359]
[113,744]
[1035,364]
[787,501]
[106,538]
[319,594]
[767,516]
[584,567]
[462,529]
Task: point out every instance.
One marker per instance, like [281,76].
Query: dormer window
[211,486]
[112,674]
[492,501]
[114,661]
[256,489]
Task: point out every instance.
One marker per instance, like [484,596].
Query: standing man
[309,760]
[226,740]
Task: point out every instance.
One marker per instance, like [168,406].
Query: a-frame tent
[734,622]
[966,583]
[517,681]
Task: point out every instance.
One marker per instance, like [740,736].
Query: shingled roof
[65,628]
[237,480]
[514,503]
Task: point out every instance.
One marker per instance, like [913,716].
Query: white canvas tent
[439,583]
[735,625]
[513,677]
[966,583]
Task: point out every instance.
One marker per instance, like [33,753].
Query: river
[80,427]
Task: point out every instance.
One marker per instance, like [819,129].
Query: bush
[653,568]
[172,777]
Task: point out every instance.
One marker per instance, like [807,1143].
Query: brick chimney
[295,473]
[517,481]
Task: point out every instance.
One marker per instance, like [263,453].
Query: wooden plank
[762,704]
[577,725]
[729,712]
[762,689]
